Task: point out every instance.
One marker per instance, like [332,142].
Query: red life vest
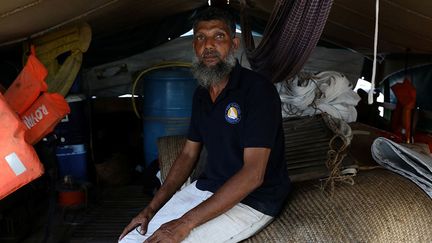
[402,116]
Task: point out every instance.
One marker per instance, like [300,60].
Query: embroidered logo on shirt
[233,113]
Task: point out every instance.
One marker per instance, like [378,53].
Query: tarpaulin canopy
[403,24]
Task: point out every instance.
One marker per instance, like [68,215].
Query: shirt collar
[234,78]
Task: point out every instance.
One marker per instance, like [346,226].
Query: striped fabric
[292,32]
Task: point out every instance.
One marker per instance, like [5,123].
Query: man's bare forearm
[178,173]
[232,192]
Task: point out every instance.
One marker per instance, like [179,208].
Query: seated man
[236,115]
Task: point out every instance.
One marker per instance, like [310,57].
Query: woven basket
[169,148]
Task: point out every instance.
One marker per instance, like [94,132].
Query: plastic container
[72,161]
[167,106]
[72,128]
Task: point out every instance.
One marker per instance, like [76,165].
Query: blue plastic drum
[167,106]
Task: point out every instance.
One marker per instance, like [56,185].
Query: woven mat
[380,207]
[105,221]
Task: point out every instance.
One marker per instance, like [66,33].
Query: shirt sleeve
[194,131]
[264,116]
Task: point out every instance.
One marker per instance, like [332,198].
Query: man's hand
[143,218]
[171,232]
[177,175]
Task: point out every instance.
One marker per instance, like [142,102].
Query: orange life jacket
[43,115]
[19,163]
[27,87]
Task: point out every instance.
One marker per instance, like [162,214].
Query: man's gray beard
[208,76]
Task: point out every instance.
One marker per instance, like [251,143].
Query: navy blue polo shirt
[247,113]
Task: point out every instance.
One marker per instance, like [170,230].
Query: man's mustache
[210,53]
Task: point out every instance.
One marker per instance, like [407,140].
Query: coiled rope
[338,148]
[325,92]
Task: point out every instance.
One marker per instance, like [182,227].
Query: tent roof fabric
[404,25]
